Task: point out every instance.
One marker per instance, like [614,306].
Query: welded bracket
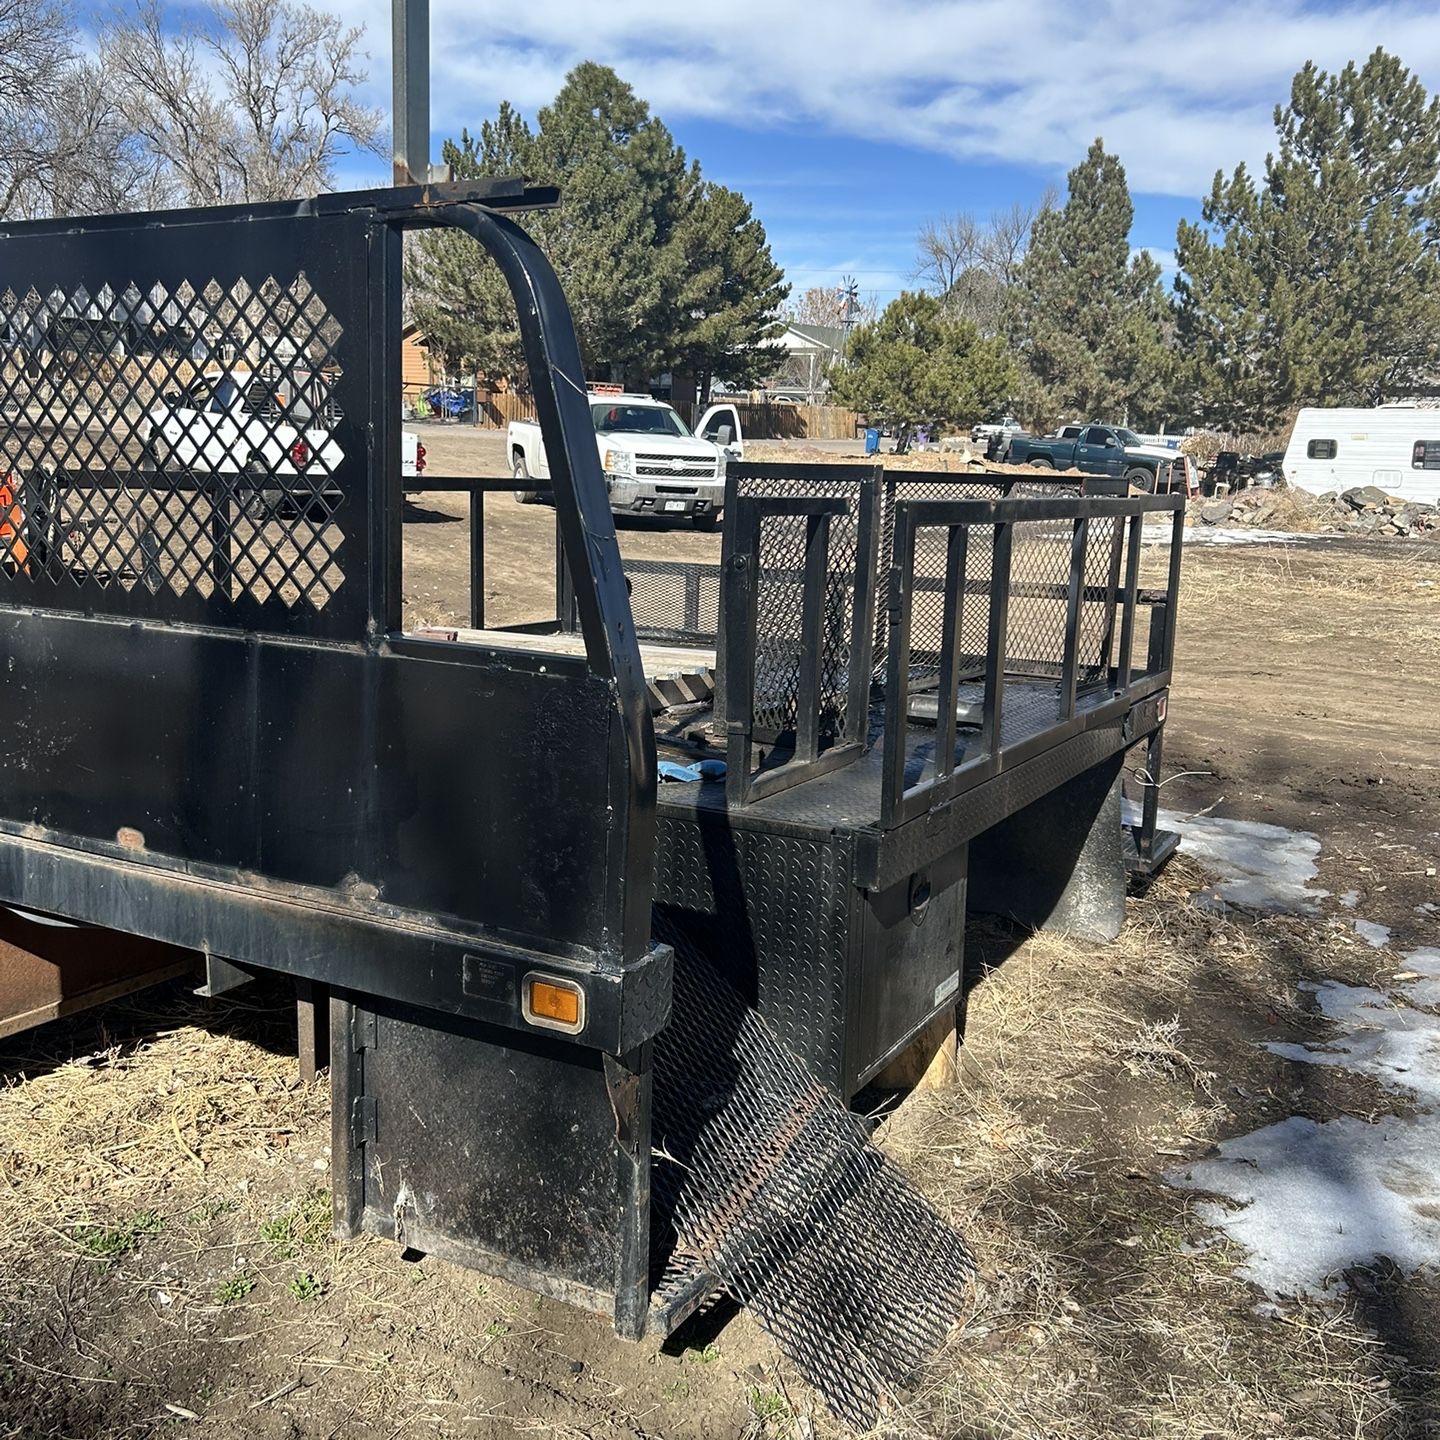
[223,976]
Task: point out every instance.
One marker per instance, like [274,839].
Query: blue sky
[849,123]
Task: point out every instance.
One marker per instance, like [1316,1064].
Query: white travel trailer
[1396,448]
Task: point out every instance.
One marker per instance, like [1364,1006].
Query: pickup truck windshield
[637,419]
[1127,437]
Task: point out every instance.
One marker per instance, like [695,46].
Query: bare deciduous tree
[969,263]
[253,102]
[946,249]
[36,54]
[101,166]
[823,305]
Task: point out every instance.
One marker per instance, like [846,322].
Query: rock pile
[1364,510]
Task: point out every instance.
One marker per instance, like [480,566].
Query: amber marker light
[553,1004]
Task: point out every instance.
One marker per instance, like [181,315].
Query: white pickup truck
[233,422]
[653,463]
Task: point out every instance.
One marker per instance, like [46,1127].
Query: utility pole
[851,311]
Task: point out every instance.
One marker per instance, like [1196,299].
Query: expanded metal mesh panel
[781,594]
[1039,576]
[674,600]
[1101,580]
[1039,596]
[225,538]
[174,441]
[774,1190]
[927,606]
[778,646]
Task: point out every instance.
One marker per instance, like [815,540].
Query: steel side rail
[939,785]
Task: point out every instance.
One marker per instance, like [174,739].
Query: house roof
[798,339]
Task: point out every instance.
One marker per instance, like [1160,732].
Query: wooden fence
[765,420]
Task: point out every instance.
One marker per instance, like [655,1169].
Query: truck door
[720,425]
[225,414]
[1099,452]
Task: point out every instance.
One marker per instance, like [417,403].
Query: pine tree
[458,296]
[1322,285]
[917,365]
[1086,318]
[730,292]
[623,188]
[660,267]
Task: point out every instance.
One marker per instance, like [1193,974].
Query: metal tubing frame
[458,950]
[899,803]
[739,608]
[476,490]
[585,525]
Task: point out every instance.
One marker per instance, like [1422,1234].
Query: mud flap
[1057,864]
[519,1155]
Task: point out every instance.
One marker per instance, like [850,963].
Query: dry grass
[1103,1310]
[1300,602]
[171,1176]
[165,1241]
[77,1138]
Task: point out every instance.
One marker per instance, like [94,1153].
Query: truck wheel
[708,520]
[523,495]
[1139,478]
[1042,462]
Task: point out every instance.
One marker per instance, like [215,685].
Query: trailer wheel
[523,495]
[1139,478]
[1042,462]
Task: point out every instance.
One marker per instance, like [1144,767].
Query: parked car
[653,463]
[1106,450]
[994,429]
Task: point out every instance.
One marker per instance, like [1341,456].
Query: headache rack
[593,1035]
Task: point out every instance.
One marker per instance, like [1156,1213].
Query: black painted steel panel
[490,1148]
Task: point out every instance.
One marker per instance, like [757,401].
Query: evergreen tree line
[1314,285]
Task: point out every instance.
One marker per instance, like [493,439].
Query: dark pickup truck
[1106,450]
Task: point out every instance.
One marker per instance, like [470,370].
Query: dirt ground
[165,1259]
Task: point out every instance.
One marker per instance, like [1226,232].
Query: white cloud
[1164,258]
[1178,88]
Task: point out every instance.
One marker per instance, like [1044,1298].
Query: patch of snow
[1233,535]
[1317,1198]
[1310,1199]
[1350,899]
[1398,1045]
[1337,1001]
[1260,867]
[1425,963]
[1373,933]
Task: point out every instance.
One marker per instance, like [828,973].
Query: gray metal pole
[410,27]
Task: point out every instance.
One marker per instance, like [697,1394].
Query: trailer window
[1320,450]
[1425,455]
